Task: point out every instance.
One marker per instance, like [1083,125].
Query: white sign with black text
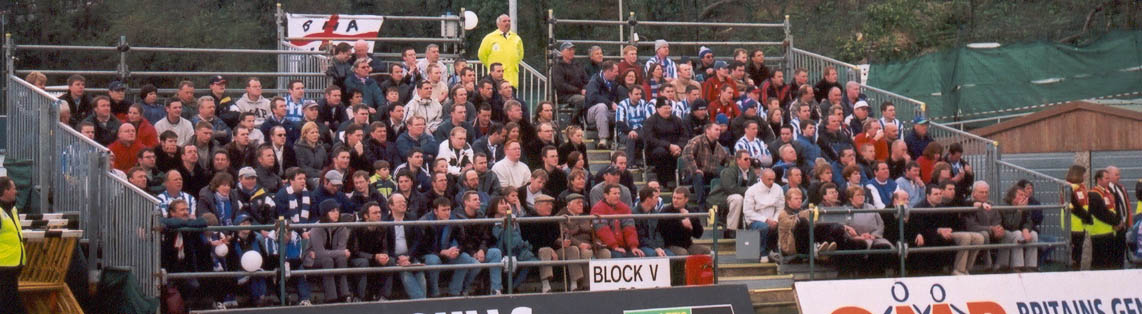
[623,273]
[336,28]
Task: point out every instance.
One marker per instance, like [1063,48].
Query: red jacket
[881,145]
[615,233]
[729,109]
[712,87]
[125,156]
[145,133]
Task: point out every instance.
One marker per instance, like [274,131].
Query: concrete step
[760,282]
[784,307]
[723,244]
[800,270]
[772,295]
[746,269]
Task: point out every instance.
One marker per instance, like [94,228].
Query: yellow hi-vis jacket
[505,50]
[11,241]
[1079,209]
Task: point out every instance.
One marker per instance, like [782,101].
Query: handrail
[965,134]
[134,189]
[806,52]
[668,23]
[1040,175]
[914,101]
[35,89]
[67,129]
[530,70]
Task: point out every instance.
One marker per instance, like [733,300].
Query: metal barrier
[816,64]
[902,247]
[29,132]
[127,215]
[1048,190]
[510,264]
[906,108]
[79,162]
[303,63]
[532,89]
[981,153]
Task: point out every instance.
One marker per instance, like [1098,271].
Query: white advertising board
[1086,292]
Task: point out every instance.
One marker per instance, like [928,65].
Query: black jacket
[672,231]
[568,77]
[482,146]
[472,238]
[661,132]
[414,237]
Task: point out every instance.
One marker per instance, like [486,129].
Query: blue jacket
[916,144]
[426,143]
[599,90]
[319,194]
[370,91]
[648,234]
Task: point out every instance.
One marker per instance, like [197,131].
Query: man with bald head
[125,149]
[361,50]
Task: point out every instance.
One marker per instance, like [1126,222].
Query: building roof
[1055,111]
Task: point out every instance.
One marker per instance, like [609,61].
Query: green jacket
[729,183]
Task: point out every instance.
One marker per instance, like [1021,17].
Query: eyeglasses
[280,135]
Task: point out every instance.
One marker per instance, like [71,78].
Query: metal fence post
[788,44]
[714,222]
[47,150]
[902,242]
[123,48]
[282,231]
[8,70]
[632,22]
[812,242]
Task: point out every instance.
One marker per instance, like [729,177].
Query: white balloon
[470,20]
[251,261]
[221,250]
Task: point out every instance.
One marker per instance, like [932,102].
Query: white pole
[513,9]
[620,19]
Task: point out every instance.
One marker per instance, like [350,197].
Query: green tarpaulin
[968,83]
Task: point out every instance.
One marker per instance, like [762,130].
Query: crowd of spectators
[429,141]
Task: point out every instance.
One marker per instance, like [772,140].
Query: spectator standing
[505,47]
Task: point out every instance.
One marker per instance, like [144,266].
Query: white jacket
[762,203]
[430,109]
[456,159]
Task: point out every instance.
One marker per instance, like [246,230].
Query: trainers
[231,303]
[497,292]
[219,306]
[764,260]
[305,303]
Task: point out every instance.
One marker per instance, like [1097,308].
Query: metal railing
[116,216]
[906,108]
[532,89]
[509,264]
[816,64]
[127,217]
[981,153]
[1048,190]
[902,247]
[29,132]
[303,63]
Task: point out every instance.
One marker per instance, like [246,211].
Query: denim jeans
[649,251]
[762,228]
[455,286]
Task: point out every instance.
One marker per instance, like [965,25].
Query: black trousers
[1077,249]
[9,290]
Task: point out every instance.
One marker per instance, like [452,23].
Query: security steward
[12,255]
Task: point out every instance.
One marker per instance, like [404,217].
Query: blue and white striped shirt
[756,148]
[680,109]
[295,109]
[165,200]
[669,70]
[633,114]
[899,128]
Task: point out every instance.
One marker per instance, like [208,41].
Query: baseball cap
[860,104]
[334,177]
[117,86]
[247,172]
[309,103]
[566,45]
[920,120]
[217,79]
[718,65]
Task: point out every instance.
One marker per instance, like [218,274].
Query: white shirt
[762,203]
[513,174]
[182,128]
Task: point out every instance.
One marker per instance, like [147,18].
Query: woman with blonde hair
[311,153]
